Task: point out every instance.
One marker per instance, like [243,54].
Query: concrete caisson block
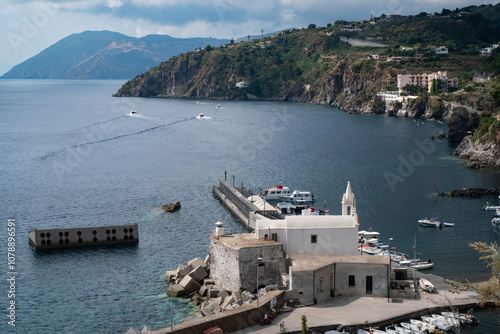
[198,274]
[175,290]
[189,284]
[197,262]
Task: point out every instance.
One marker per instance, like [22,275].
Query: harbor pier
[236,200]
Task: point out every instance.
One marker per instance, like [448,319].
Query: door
[369,285]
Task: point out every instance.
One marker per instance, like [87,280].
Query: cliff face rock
[459,123]
[479,154]
[436,109]
[416,108]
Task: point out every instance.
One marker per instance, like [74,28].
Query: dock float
[84,237]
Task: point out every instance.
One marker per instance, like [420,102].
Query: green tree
[232,40]
[208,47]
[311,26]
[489,290]
[304,324]
[495,94]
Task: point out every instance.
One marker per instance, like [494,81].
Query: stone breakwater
[472,192]
[193,280]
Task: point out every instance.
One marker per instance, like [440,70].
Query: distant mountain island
[104,55]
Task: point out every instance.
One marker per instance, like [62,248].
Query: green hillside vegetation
[313,65]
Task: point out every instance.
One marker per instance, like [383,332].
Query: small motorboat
[465,318]
[429,222]
[489,207]
[133,112]
[201,115]
[453,321]
[426,285]
[441,324]
[495,221]
[421,265]
[416,329]
[217,106]
[448,224]
[429,327]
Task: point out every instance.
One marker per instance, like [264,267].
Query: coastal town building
[425,81]
[312,257]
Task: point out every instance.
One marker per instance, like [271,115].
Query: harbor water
[72,155]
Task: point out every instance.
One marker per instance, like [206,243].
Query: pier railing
[237,198]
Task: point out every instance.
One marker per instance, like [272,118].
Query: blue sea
[71,155]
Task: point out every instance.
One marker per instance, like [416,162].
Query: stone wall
[235,268]
[230,321]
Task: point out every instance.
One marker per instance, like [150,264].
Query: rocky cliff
[479,155]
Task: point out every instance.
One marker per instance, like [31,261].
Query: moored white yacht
[298,196]
[275,193]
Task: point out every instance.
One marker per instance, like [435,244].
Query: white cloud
[114,4]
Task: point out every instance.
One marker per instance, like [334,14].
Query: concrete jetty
[236,200]
[84,236]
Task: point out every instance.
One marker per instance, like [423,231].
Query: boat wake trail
[104,121]
[114,138]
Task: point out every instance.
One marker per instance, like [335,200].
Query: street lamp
[389,276]
[259,263]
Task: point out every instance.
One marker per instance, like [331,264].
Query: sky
[29,26]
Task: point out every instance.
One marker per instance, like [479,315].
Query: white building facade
[313,234]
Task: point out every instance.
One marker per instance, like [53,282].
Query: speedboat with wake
[429,222]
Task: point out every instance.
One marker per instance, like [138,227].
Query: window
[274,236]
[314,238]
[351,280]
[321,287]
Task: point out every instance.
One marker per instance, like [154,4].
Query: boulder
[189,284]
[172,207]
[175,290]
[197,262]
[198,274]
[441,135]
[170,275]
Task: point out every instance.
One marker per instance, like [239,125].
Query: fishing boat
[465,318]
[275,193]
[429,222]
[426,285]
